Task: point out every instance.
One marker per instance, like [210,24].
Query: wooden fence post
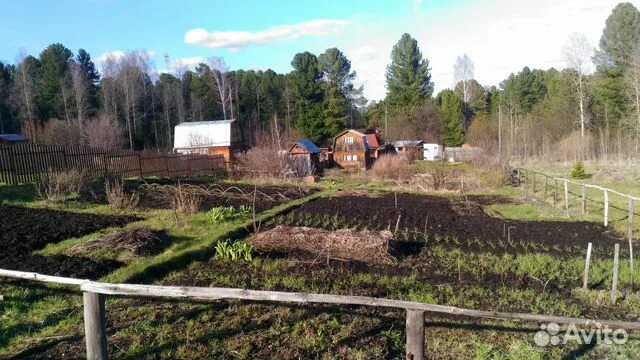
[546,181]
[614,284]
[95,330]
[555,193]
[606,208]
[533,182]
[584,200]
[566,197]
[415,335]
[630,235]
[585,279]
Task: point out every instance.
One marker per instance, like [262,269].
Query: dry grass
[136,242]
[117,198]
[339,245]
[56,186]
[391,167]
[184,201]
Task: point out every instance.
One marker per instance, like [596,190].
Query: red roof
[373,141]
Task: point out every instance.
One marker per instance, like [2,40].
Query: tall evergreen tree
[408,75]
[93,77]
[306,78]
[53,82]
[450,109]
[620,37]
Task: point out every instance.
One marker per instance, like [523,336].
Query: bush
[184,201]
[117,197]
[578,171]
[391,167]
[225,213]
[56,186]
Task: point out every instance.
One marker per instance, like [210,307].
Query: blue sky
[266,34]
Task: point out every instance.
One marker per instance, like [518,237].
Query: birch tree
[577,54]
[463,72]
[80,89]
[220,82]
[632,78]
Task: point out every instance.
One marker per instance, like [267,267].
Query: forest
[590,108]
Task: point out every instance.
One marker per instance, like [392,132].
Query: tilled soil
[464,220]
[24,230]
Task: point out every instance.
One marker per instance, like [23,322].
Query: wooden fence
[95,324]
[25,163]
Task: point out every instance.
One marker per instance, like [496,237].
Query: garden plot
[459,223]
[156,196]
[24,230]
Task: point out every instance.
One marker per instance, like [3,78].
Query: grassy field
[459,258]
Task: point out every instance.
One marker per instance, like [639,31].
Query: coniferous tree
[450,106]
[408,75]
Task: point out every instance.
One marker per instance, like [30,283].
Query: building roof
[12,137]
[407,143]
[198,134]
[372,139]
[356,133]
[308,145]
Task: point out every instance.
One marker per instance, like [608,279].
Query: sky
[500,36]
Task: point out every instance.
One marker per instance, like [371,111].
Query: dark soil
[267,197]
[24,230]
[462,221]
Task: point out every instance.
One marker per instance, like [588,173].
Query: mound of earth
[608,175]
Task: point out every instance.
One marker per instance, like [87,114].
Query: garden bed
[459,223]
[24,230]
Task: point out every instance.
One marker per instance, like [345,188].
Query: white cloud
[500,36]
[117,54]
[235,40]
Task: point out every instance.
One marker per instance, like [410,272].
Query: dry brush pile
[344,244]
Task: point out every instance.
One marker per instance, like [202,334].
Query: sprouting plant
[234,251]
[226,213]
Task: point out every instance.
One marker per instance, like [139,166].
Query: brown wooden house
[351,150]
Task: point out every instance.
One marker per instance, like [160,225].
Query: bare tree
[463,72]
[577,54]
[80,89]
[632,78]
[25,86]
[219,74]
[104,132]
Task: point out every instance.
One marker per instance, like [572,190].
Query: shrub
[225,213]
[56,186]
[578,171]
[117,198]
[184,201]
[233,251]
[391,167]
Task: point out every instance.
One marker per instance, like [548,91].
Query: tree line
[591,107]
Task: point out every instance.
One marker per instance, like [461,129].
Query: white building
[222,137]
[432,152]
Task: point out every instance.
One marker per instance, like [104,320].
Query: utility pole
[500,131]
[386,122]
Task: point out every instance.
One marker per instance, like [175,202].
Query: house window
[348,157]
[355,157]
[348,140]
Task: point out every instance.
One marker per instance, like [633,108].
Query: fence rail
[26,163]
[95,324]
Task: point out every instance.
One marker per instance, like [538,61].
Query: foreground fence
[94,294]
[25,163]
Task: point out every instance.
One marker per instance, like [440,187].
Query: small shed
[8,139]
[306,155]
[220,137]
[412,149]
[351,150]
[433,152]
